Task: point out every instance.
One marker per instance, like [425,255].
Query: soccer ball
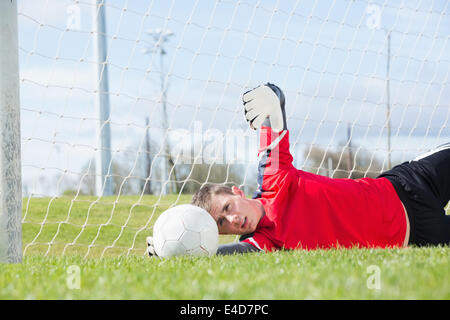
[185,230]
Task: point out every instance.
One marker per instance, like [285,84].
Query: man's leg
[423,185]
[446,230]
[436,166]
[435,171]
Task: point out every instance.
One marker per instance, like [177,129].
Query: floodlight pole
[103,177]
[148,159]
[10,162]
[160,36]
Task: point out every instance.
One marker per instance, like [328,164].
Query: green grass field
[97,229]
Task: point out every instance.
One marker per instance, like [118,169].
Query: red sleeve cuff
[261,242]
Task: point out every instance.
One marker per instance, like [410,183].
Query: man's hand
[236,247]
[150,249]
[265,101]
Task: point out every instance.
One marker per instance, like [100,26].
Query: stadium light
[160,37]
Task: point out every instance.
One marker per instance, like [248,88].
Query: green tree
[346,162]
[193,176]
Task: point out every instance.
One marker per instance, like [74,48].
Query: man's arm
[264,108]
[236,247]
[224,249]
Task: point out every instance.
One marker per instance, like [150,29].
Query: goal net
[128,107]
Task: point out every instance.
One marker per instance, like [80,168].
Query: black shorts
[423,185]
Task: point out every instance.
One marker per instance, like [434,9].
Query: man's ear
[237,191]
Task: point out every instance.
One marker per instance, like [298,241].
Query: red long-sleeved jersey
[309,211]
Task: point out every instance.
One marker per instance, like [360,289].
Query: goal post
[10,162]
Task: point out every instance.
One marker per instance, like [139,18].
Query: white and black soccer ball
[185,230]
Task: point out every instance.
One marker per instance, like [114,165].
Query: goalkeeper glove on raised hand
[263,103]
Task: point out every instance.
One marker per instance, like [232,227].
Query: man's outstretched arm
[236,247]
[264,108]
[224,249]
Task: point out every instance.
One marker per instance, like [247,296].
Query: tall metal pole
[148,160]
[350,153]
[103,178]
[388,107]
[160,36]
[10,162]
[165,177]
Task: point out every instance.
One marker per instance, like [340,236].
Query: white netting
[330,58]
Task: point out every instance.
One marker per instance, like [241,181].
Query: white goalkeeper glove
[150,248]
[265,105]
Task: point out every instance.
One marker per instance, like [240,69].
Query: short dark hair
[203,197]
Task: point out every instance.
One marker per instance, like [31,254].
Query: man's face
[235,214]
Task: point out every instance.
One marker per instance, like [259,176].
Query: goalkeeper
[294,209]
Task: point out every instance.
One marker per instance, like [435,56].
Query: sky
[329,58]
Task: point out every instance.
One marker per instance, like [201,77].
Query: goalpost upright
[10,162]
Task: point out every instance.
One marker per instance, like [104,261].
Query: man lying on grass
[294,209]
